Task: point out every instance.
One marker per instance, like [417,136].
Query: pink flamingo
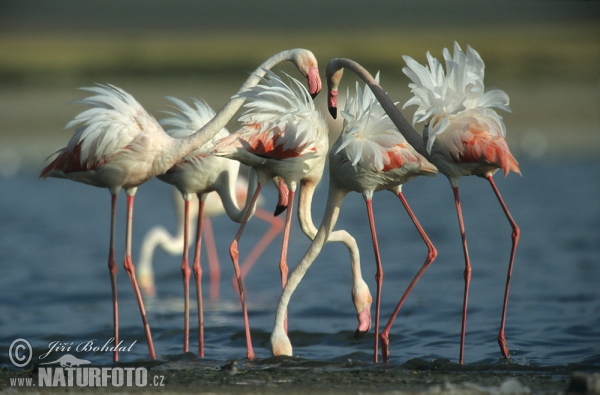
[463,136]
[198,174]
[368,156]
[283,135]
[120,146]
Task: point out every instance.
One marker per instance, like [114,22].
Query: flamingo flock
[283,138]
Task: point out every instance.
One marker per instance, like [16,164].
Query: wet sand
[298,376]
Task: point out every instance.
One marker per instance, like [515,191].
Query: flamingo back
[112,123]
[457,111]
[370,139]
[188,120]
[280,121]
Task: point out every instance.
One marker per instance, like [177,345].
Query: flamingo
[463,136]
[198,174]
[283,135]
[368,156]
[120,146]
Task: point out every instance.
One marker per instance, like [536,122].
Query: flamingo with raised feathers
[463,136]
[198,174]
[283,135]
[120,146]
[368,156]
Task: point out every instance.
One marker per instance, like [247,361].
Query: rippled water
[55,286]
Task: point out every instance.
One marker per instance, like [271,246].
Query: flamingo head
[334,76]
[362,301]
[280,342]
[307,64]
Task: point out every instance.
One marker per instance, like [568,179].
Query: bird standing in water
[198,174]
[368,156]
[283,135]
[463,135]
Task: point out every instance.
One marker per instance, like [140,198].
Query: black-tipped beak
[279,209]
[313,95]
[359,334]
[333,112]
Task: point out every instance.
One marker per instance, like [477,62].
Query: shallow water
[55,285]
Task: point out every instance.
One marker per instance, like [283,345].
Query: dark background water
[55,285]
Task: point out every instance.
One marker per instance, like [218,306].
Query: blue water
[54,283]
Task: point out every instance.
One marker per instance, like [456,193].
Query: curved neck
[229,196]
[332,210]
[334,75]
[203,135]
[308,227]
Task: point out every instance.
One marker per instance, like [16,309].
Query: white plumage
[448,100]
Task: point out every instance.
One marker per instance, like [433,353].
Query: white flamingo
[463,135]
[196,175]
[368,156]
[120,146]
[283,135]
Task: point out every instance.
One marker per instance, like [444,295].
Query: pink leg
[385,343]
[378,275]
[112,269]
[515,240]
[276,227]
[198,278]
[283,267]
[130,269]
[213,259]
[234,252]
[467,275]
[185,271]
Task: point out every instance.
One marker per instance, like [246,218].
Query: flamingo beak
[282,202]
[332,102]
[314,81]
[364,322]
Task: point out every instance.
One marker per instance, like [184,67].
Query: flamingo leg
[130,269]
[185,271]
[515,240]
[259,248]
[198,277]
[112,269]
[283,267]
[467,275]
[385,343]
[213,258]
[378,275]
[234,252]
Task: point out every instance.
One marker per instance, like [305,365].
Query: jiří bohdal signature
[87,346]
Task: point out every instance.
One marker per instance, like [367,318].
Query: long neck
[332,210]
[405,128]
[307,225]
[229,196]
[207,132]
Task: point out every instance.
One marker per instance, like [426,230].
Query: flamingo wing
[114,123]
